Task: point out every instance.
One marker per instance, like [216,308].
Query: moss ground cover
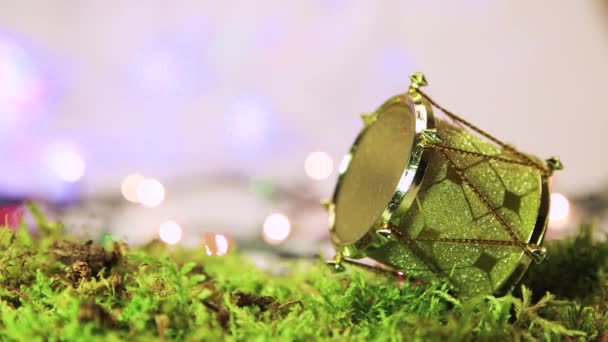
[58,288]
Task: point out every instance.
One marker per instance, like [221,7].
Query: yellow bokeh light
[318,165]
[560,207]
[170,232]
[128,187]
[150,192]
[276,228]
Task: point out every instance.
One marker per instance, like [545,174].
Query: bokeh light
[10,216]
[318,165]
[65,161]
[170,232]
[128,187]
[23,83]
[216,244]
[560,207]
[263,188]
[158,70]
[276,228]
[221,244]
[174,64]
[150,192]
[250,123]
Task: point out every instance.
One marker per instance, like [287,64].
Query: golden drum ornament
[439,199]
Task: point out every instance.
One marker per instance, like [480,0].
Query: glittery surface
[446,207]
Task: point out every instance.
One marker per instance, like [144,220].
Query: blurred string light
[28,87]
[250,125]
[173,65]
[65,161]
[560,207]
[150,192]
[158,72]
[318,165]
[128,187]
[216,244]
[276,228]
[160,68]
[108,237]
[264,188]
[221,244]
[24,84]
[10,216]
[170,232]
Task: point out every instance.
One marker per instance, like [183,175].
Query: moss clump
[60,289]
[574,269]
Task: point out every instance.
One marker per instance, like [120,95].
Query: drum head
[379,158]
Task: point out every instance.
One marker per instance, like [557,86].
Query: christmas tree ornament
[439,198]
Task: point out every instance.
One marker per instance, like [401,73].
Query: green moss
[574,269]
[60,289]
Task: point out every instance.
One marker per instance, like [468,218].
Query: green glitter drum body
[447,208]
[430,199]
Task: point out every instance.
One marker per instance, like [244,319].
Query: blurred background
[212,123]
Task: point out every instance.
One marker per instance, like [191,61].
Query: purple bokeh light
[250,124]
[28,87]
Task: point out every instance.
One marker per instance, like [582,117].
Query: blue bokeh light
[30,85]
[26,84]
[171,67]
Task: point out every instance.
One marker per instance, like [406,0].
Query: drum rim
[410,180]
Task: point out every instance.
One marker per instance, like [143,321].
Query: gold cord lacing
[523,159]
